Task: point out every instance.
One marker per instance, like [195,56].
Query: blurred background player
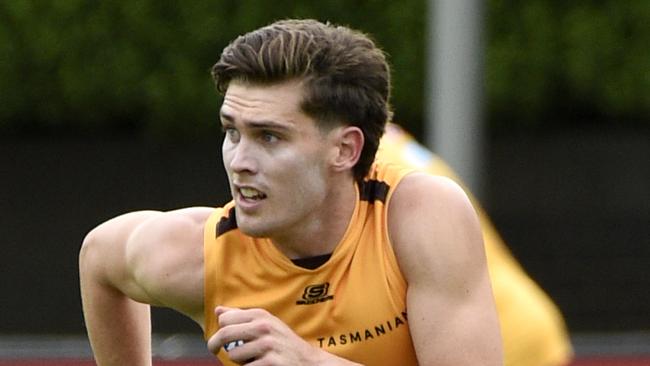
[532,328]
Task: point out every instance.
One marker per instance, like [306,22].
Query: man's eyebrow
[258,124]
[267,124]
[225,116]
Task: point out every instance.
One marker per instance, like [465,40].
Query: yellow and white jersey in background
[533,330]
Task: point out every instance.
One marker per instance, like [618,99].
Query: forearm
[119,329]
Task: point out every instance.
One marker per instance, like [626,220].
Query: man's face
[275,157]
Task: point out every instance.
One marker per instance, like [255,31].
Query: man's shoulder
[195,216]
[180,225]
[427,191]
[426,215]
[413,181]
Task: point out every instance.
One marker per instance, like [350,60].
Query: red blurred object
[70,362]
[612,361]
[583,361]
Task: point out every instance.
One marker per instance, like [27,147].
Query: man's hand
[267,340]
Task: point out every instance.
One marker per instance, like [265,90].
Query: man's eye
[231,133]
[269,137]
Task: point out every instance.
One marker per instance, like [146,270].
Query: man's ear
[349,143]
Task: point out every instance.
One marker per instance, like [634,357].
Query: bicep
[165,257]
[451,310]
[103,259]
[456,327]
[151,257]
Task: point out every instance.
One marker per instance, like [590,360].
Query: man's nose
[243,158]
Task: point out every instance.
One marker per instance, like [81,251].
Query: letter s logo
[314,292]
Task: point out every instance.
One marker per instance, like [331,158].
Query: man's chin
[253,233]
[250,229]
[253,225]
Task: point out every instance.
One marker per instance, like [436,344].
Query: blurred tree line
[97,67]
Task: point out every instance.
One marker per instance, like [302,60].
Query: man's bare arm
[132,261]
[118,327]
[438,244]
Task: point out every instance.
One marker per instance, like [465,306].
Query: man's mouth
[251,193]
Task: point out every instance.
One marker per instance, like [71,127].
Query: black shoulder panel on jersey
[227,223]
[372,190]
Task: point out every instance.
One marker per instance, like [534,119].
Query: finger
[215,343]
[226,336]
[231,316]
[244,353]
[228,330]
[228,316]
[222,309]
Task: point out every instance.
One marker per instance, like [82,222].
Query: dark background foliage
[143,66]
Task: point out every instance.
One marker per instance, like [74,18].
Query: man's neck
[323,230]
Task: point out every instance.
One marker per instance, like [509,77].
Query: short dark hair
[346,75]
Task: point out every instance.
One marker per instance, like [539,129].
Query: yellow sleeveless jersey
[353,305]
[532,328]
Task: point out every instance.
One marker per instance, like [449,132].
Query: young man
[323,257]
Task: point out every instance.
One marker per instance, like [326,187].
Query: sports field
[596,361]
[602,349]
